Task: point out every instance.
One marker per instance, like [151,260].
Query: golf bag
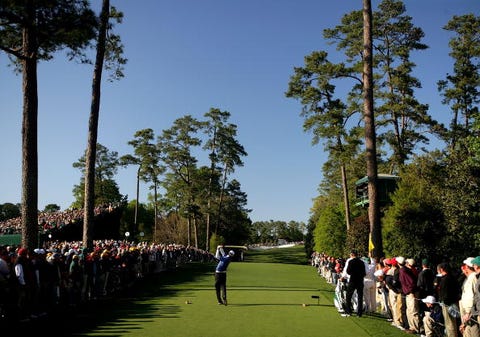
[340,297]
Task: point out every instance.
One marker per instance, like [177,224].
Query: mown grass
[289,255]
[265,299]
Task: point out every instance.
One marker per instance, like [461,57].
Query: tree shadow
[121,314]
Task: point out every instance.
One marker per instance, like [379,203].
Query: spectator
[425,280]
[448,294]
[331,270]
[475,313]
[401,303]
[369,289]
[432,316]
[4,267]
[105,263]
[26,283]
[408,279]
[7,283]
[75,279]
[466,301]
[338,270]
[392,280]
[39,264]
[380,273]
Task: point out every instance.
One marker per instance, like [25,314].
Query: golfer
[221,274]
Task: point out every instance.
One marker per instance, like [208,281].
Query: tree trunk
[209,201]
[454,128]
[155,210]
[88,217]
[370,135]
[189,230]
[220,201]
[29,135]
[207,229]
[135,219]
[195,231]
[346,200]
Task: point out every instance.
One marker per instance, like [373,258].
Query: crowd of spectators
[52,220]
[63,275]
[418,298]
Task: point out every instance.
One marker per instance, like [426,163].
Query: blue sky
[186,57]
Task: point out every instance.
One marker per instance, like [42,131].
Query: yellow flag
[371,247]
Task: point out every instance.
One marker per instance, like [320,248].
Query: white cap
[468,261]
[429,299]
[231,253]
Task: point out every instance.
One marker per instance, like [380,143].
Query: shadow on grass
[124,313]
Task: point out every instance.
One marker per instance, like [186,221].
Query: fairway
[264,299]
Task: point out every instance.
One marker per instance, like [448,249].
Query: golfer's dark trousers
[221,286]
[351,287]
